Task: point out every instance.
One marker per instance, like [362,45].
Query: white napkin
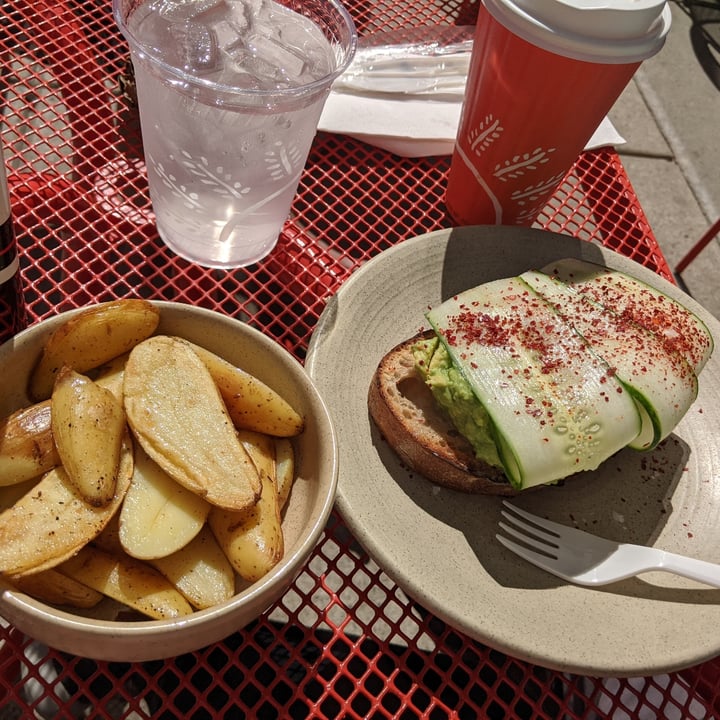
[413,128]
[406,97]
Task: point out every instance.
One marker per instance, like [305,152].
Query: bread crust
[421,433]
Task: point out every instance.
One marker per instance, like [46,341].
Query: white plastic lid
[601,31]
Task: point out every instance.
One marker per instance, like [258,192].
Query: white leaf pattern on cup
[218,180]
[521,164]
[284,161]
[190,199]
[526,216]
[485,134]
[532,193]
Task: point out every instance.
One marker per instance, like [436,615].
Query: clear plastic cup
[229,94]
[543,74]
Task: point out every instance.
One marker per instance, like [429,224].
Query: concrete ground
[670,117]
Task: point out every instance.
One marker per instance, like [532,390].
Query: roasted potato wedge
[158,516]
[127,580]
[253,540]
[52,521]
[88,424]
[175,411]
[110,375]
[10,494]
[284,469]
[109,539]
[27,449]
[200,571]
[261,450]
[54,587]
[91,338]
[252,405]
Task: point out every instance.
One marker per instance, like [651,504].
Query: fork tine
[546,546]
[534,558]
[532,528]
[540,525]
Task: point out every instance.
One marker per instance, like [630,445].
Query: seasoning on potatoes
[88,423]
[91,338]
[131,582]
[175,411]
[253,540]
[252,405]
[261,449]
[54,587]
[53,521]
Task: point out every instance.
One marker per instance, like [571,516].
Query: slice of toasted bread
[421,433]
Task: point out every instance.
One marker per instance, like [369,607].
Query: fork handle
[700,570]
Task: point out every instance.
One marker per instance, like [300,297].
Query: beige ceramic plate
[440,546]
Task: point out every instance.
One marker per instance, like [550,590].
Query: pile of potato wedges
[148,470]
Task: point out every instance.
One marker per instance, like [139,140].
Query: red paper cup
[534,97]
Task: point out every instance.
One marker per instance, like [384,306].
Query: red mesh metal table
[86,233]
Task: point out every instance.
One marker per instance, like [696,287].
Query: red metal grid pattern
[344,640]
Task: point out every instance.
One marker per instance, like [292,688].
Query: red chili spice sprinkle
[480,328]
[674,325]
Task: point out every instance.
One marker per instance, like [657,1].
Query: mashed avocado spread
[454,394]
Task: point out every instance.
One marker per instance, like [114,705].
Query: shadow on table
[627,500]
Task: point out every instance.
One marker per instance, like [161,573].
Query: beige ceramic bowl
[304,519]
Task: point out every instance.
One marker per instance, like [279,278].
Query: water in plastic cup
[229,94]
[543,75]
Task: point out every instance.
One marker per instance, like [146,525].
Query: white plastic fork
[585,559]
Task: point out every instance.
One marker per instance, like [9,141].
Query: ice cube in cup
[181,10]
[197,45]
[273,59]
